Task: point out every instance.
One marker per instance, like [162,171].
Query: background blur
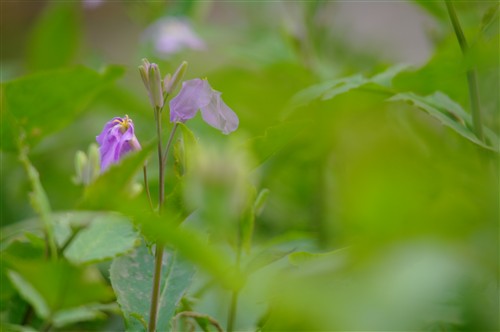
[412,205]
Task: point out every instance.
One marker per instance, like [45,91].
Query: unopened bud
[171,83]
[155,85]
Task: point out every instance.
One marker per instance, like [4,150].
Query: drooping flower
[116,140]
[197,94]
[171,35]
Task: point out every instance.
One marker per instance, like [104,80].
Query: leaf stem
[471,73]
[169,143]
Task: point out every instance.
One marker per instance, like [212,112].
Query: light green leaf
[450,114]
[106,237]
[113,188]
[45,102]
[56,36]
[330,89]
[30,294]
[132,279]
[83,313]
[49,285]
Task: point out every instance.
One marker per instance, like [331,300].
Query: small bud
[155,86]
[174,81]
[80,163]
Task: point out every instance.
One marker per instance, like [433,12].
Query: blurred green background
[391,212]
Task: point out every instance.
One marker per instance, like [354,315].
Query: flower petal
[219,115]
[194,95]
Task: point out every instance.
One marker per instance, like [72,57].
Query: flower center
[124,123]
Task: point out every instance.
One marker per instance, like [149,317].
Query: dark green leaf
[132,279]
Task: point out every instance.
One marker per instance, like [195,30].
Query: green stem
[234,297]
[153,313]
[39,201]
[146,186]
[471,73]
[169,143]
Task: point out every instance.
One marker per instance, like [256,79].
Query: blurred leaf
[302,257]
[435,8]
[261,200]
[265,258]
[51,286]
[45,102]
[192,245]
[112,188]
[247,222]
[80,314]
[330,89]
[490,21]
[190,144]
[56,36]
[275,139]
[450,114]
[106,237]
[15,328]
[132,280]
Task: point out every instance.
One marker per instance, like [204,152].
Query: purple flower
[196,95]
[172,35]
[116,140]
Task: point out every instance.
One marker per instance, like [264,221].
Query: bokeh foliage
[355,194]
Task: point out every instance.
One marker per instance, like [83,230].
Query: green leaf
[132,279]
[83,313]
[106,237]
[56,36]
[450,114]
[113,188]
[302,257]
[51,286]
[45,102]
[330,89]
[274,139]
[435,8]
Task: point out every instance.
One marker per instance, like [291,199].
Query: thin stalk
[471,73]
[146,186]
[234,296]
[153,313]
[169,143]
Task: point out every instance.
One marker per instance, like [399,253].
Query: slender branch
[146,186]
[471,73]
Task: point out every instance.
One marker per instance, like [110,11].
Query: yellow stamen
[125,123]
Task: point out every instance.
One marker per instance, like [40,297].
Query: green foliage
[43,103]
[56,36]
[132,277]
[104,238]
[450,114]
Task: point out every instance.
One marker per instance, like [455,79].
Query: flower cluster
[117,137]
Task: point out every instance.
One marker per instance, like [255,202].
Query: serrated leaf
[106,237]
[132,279]
[450,114]
[330,89]
[56,36]
[45,102]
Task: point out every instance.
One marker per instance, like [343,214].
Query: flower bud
[171,82]
[155,85]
